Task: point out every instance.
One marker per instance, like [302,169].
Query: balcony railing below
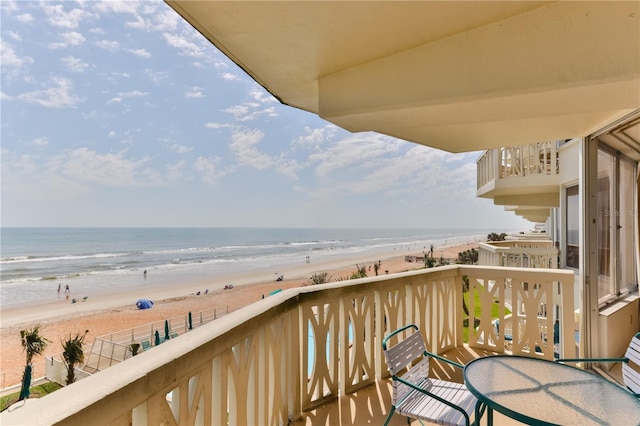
[537,159]
[519,254]
[271,361]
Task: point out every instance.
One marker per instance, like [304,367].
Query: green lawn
[495,311]
[38,390]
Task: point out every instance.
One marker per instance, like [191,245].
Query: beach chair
[415,394]
[146,345]
[630,365]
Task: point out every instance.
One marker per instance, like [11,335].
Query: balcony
[293,355]
[525,175]
[525,253]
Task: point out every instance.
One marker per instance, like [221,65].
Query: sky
[118,114]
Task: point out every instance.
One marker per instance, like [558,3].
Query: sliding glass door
[616,191]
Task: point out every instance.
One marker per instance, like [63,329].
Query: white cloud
[315,138]
[259,94]
[14,35]
[116,6]
[208,169]
[243,147]
[71,38]
[58,17]
[158,77]
[249,111]
[109,45]
[40,141]
[74,64]
[59,96]
[181,149]
[229,76]
[166,20]
[29,178]
[143,53]
[138,23]
[174,172]
[212,125]
[112,170]
[9,57]
[133,94]
[195,92]
[9,6]
[354,151]
[25,18]
[186,47]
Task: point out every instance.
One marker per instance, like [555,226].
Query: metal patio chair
[630,373]
[415,394]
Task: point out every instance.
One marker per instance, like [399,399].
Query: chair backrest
[630,373]
[409,354]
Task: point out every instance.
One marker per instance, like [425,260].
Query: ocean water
[35,261]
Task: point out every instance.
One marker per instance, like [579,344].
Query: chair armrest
[441,358]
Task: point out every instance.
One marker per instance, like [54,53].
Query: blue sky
[120,114]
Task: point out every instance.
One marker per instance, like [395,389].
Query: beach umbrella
[190,321]
[166,330]
[157,338]
[26,383]
[144,304]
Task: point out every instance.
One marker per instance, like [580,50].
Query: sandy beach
[110,313]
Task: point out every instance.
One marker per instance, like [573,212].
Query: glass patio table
[540,392]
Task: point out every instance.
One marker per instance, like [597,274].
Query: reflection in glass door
[605,224]
[616,226]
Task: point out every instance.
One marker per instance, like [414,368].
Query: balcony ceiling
[459,76]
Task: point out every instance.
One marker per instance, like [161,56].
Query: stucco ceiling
[459,76]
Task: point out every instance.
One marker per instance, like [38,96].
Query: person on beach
[145,273]
[59,288]
[66,288]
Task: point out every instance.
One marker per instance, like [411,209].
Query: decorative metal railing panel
[269,362]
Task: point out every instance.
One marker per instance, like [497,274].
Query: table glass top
[533,390]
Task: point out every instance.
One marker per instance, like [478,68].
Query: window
[572,218]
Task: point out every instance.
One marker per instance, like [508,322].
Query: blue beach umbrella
[157,338]
[190,321]
[26,383]
[144,304]
[166,330]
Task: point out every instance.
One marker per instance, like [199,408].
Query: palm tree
[73,354]
[33,344]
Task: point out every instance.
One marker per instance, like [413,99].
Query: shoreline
[117,311]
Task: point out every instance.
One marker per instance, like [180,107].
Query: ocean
[93,261]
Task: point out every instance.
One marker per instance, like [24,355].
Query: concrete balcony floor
[370,405]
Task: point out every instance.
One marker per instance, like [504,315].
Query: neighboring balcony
[290,356]
[525,253]
[525,175]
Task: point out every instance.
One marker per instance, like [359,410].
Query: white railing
[269,362]
[517,161]
[110,349]
[56,371]
[519,254]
